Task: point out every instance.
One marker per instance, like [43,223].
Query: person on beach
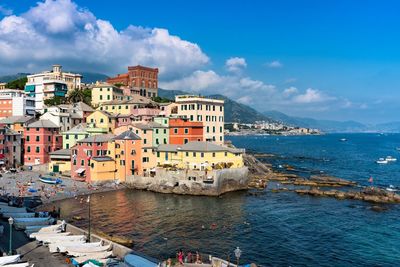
[169,262]
[180,257]
[189,257]
[198,259]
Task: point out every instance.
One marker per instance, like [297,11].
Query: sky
[329,59]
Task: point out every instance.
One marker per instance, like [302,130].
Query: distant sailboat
[343,139]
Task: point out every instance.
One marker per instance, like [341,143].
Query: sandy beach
[27,184]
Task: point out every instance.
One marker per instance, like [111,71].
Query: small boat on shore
[381,161]
[7,209]
[84,251]
[390,159]
[137,260]
[94,256]
[49,180]
[41,236]
[22,223]
[65,246]
[9,259]
[68,238]
[391,188]
[19,214]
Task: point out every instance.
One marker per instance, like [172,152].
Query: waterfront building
[10,147]
[48,84]
[138,80]
[41,138]
[16,103]
[59,116]
[104,92]
[126,149]
[72,136]
[93,149]
[3,86]
[17,123]
[182,131]
[145,132]
[199,109]
[60,161]
[102,120]
[199,156]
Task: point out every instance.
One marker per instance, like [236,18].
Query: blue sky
[323,59]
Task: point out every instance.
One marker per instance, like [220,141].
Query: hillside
[13,77]
[324,125]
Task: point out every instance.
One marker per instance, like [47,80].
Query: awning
[80,170]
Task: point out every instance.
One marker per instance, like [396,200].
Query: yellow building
[102,120]
[60,161]
[128,106]
[102,169]
[104,92]
[145,132]
[199,156]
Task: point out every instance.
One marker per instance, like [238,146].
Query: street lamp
[238,253]
[10,222]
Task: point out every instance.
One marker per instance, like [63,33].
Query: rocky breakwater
[370,194]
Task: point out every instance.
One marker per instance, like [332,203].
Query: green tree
[17,84]
[56,100]
[80,95]
[159,99]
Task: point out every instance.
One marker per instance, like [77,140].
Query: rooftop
[16,119]
[102,159]
[127,135]
[61,152]
[98,138]
[80,128]
[198,146]
[42,124]
[136,99]
[148,126]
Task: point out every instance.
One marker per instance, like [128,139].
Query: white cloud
[75,37]
[198,81]
[312,96]
[5,11]
[247,100]
[235,64]
[274,64]
[289,91]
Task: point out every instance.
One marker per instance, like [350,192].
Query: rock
[378,208]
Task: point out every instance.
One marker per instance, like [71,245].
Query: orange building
[139,80]
[128,155]
[182,131]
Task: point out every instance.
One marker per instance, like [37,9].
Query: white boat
[42,236]
[22,264]
[19,214]
[92,256]
[391,188]
[4,209]
[50,228]
[382,161]
[9,259]
[60,247]
[84,251]
[390,158]
[343,139]
[68,238]
[22,223]
[64,247]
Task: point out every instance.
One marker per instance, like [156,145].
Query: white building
[207,110]
[48,84]
[16,103]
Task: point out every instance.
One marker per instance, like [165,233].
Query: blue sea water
[272,229]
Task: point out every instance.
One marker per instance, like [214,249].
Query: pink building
[83,151]
[41,138]
[145,114]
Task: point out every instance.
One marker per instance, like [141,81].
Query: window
[157,141]
[145,159]
[82,163]
[185,141]
[213,154]
[144,141]
[101,120]
[194,154]
[74,162]
[28,149]
[165,131]
[175,130]
[122,162]
[213,129]
[202,154]
[226,154]
[67,136]
[186,130]
[165,140]
[37,149]
[37,129]
[208,129]
[220,129]
[158,154]
[156,131]
[145,150]
[191,117]
[27,138]
[67,146]
[187,154]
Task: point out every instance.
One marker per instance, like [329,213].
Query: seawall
[191,182]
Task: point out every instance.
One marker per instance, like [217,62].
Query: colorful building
[199,156]
[102,169]
[10,147]
[199,109]
[84,151]
[103,120]
[138,80]
[127,154]
[48,84]
[136,105]
[104,92]
[182,131]
[72,136]
[41,138]
[17,123]
[145,132]
[16,103]
[60,161]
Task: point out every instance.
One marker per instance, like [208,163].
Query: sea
[271,229]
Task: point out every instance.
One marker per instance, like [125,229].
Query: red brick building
[139,80]
[182,131]
[41,138]
[83,151]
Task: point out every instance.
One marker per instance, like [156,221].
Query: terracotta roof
[42,124]
[98,138]
[16,119]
